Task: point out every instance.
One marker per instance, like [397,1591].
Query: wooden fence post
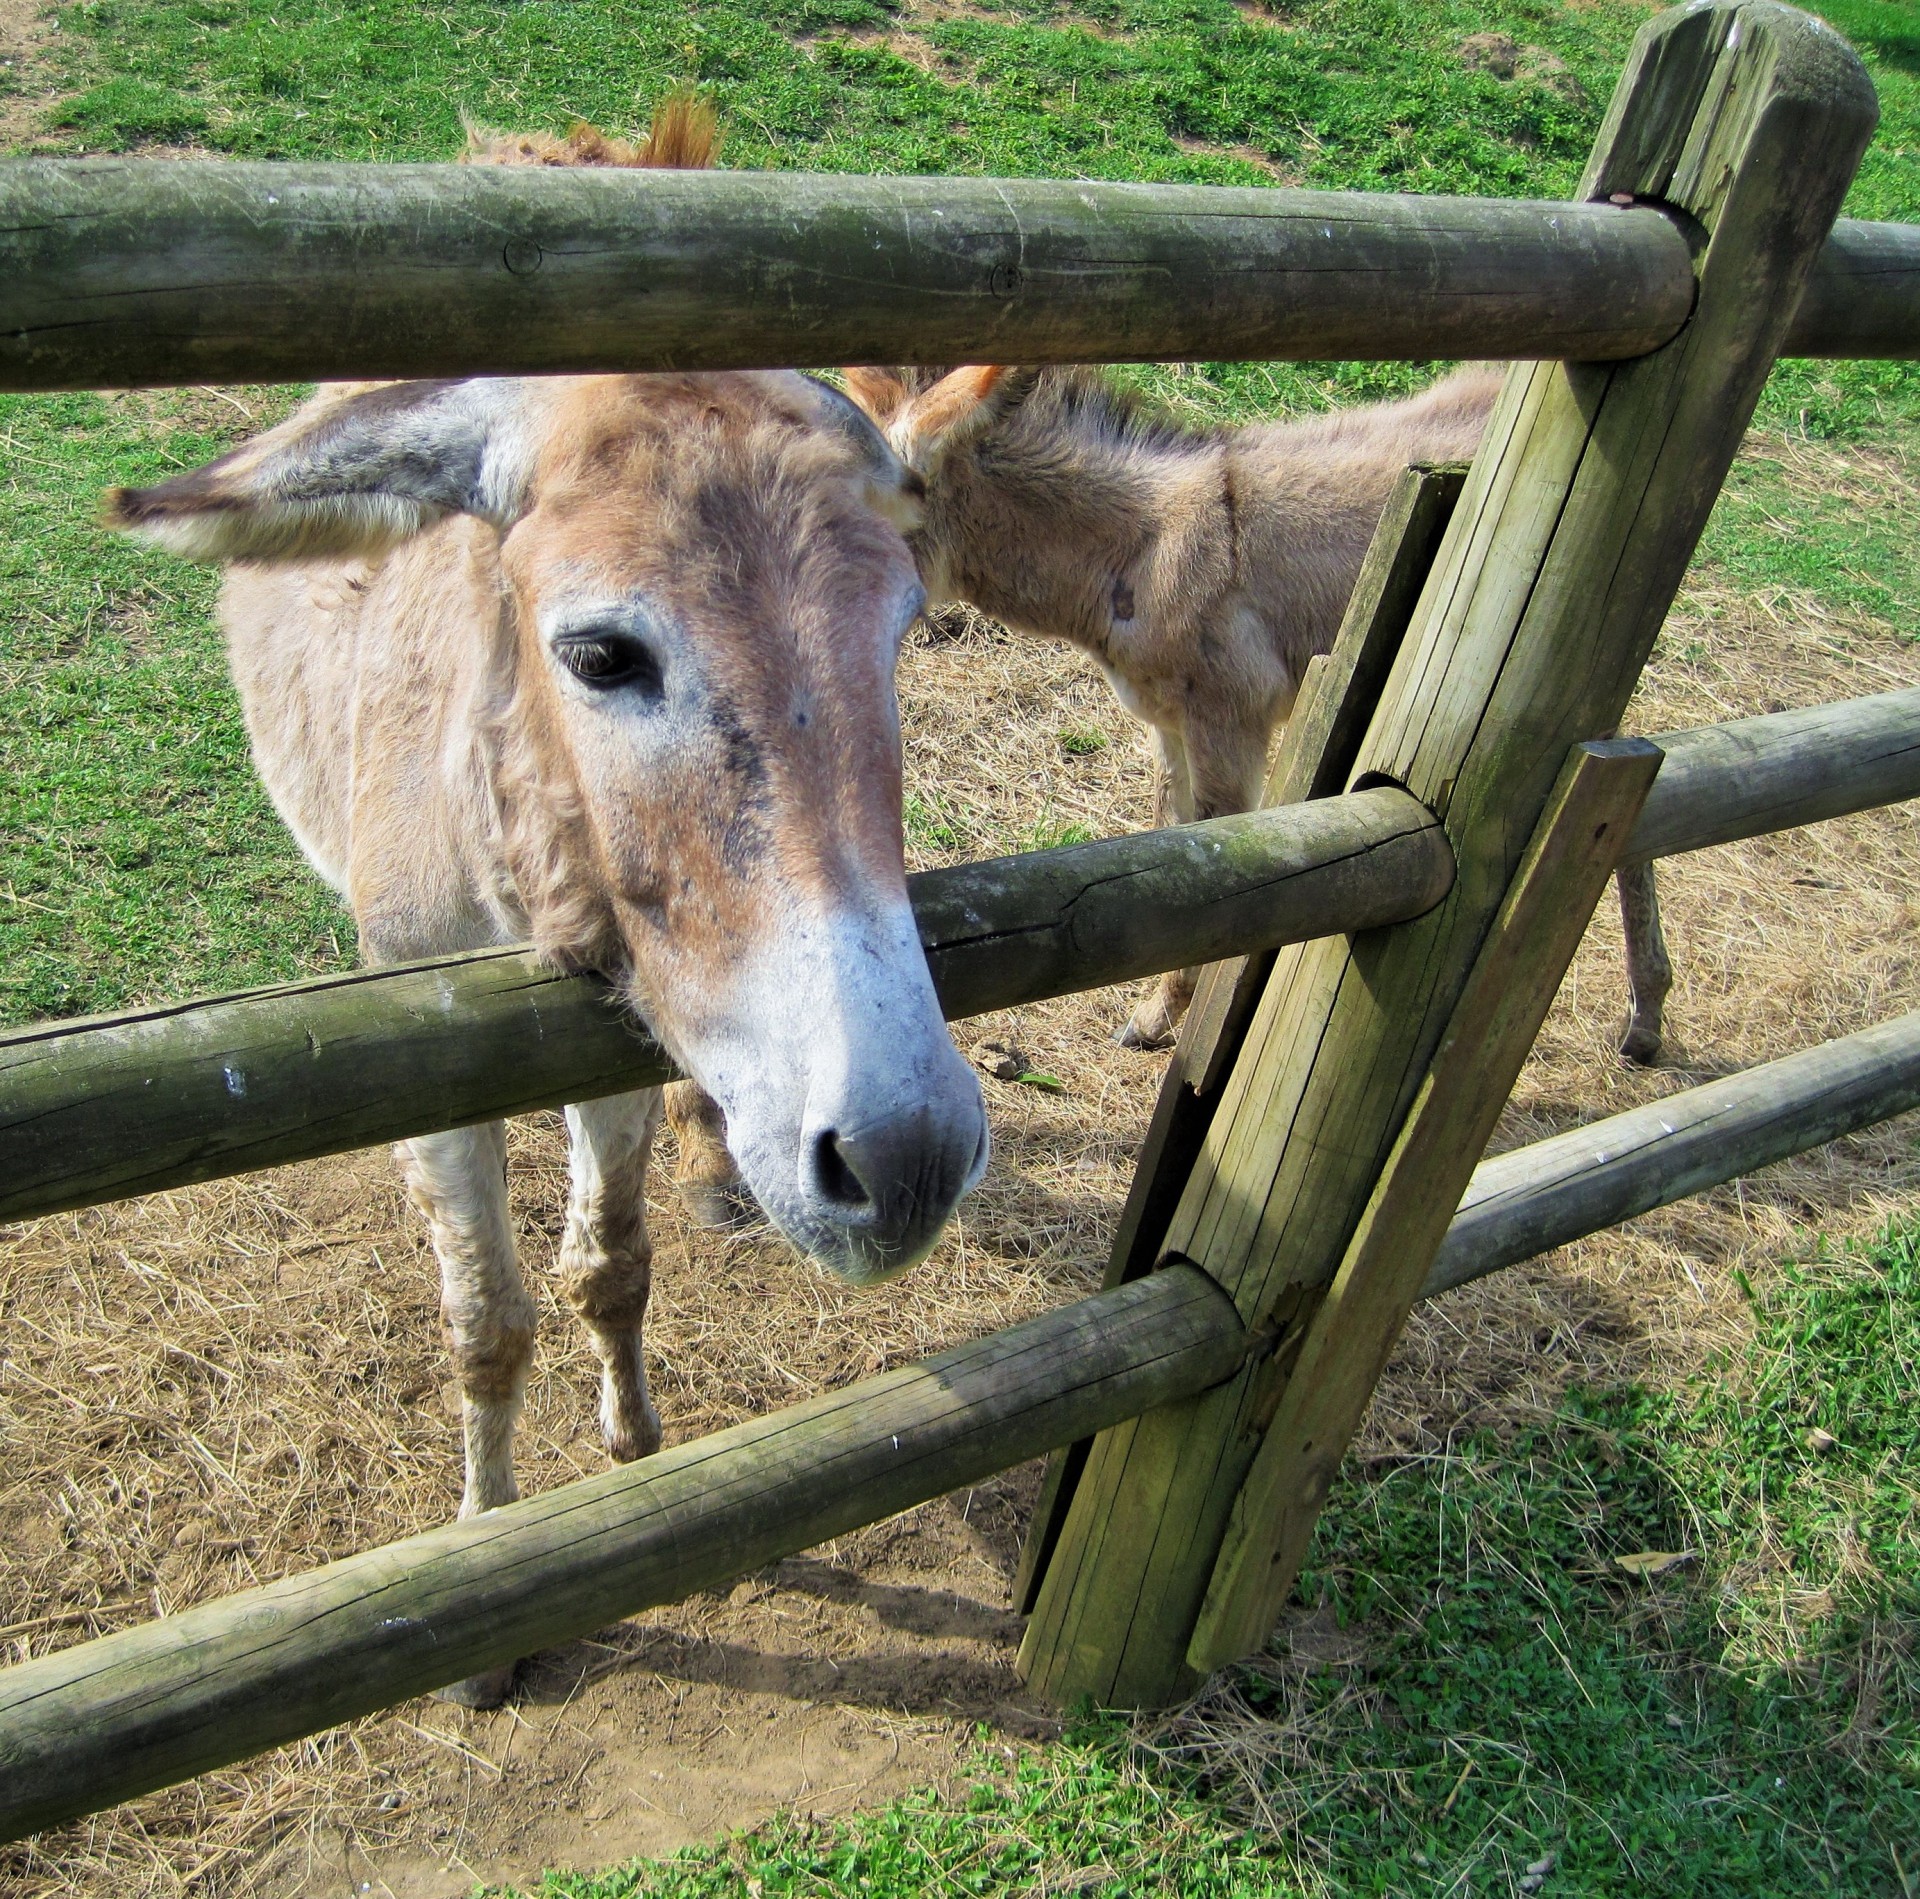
[1590,491]
[1316,755]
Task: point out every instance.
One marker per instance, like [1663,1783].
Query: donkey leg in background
[459,1181]
[1215,772]
[705,1176]
[606,1258]
[1156,1017]
[1649,971]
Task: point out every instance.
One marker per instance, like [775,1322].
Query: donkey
[608,662]
[1200,569]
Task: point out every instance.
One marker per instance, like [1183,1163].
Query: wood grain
[1562,558]
[1749,777]
[1316,755]
[1535,1198]
[160,1097]
[1321,1396]
[130,271]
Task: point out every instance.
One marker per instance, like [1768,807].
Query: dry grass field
[217,1386]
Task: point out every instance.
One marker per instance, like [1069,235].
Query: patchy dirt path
[28,86]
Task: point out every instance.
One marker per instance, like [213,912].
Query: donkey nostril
[838,1182]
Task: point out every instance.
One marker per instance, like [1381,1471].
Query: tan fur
[404,562]
[684,136]
[1200,569]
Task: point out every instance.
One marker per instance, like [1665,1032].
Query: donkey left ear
[878,391]
[893,490]
[959,409]
[350,473]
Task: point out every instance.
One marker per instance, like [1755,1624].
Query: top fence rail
[146,272]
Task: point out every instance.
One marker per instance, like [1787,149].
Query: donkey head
[693,738]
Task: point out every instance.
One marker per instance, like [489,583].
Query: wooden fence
[1444,815]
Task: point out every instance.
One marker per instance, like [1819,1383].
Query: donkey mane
[1086,402]
[684,135]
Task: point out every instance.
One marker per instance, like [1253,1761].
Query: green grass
[1744,1727]
[140,856]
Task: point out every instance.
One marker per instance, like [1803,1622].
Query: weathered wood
[115,1717]
[128,1104]
[1323,1394]
[1529,1201]
[128,271]
[1563,556]
[1863,298]
[1314,760]
[1316,754]
[1752,776]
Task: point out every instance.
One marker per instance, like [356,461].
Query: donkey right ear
[349,474]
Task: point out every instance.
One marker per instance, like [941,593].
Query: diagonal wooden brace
[1746,120]
[1579,841]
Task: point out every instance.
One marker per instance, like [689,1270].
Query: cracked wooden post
[1747,120]
[1330,717]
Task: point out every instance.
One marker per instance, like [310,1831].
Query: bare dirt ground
[26,87]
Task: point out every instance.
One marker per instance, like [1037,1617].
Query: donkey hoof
[488,1689]
[628,1443]
[1134,1035]
[1641,1044]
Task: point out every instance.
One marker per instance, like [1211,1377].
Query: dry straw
[210,1388]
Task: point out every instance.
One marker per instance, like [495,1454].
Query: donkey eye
[607,660]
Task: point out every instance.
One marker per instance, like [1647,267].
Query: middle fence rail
[158,1098]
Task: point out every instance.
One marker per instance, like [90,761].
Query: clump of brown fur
[684,135]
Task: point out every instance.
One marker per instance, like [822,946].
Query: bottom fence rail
[108,1719]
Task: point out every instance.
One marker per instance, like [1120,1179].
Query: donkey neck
[1054,521]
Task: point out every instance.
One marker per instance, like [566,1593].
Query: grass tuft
[1473,1694]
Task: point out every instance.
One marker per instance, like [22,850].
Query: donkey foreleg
[606,1258]
[1649,970]
[705,1177]
[459,1181]
[1212,773]
[1156,1017]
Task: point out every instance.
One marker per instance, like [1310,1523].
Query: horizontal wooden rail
[158,1098]
[112,1718]
[132,271]
[135,271]
[1536,1198]
[1753,776]
[120,1105]
[1863,298]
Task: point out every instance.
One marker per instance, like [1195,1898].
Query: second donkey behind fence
[1199,568]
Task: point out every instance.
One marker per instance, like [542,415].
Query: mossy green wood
[161,1097]
[1316,754]
[1863,298]
[144,271]
[1321,1395]
[108,1719]
[1752,776]
[1535,1198]
[1584,505]
[128,271]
